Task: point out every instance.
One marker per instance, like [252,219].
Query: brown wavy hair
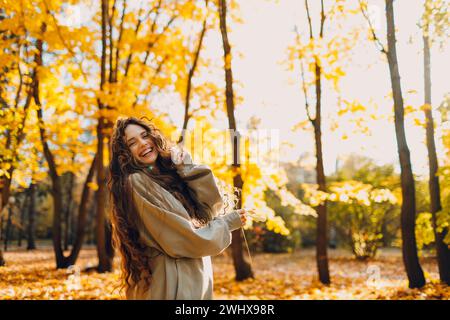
[135,264]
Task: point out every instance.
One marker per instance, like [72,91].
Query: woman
[165,215]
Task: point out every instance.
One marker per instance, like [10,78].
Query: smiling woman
[165,215]
[141,147]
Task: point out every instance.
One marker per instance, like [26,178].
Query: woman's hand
[250,213]
[177,155]
[242,213]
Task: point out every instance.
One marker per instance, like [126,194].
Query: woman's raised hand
[242,213]
[245,213]
[177,154]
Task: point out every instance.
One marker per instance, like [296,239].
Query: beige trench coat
[181,267]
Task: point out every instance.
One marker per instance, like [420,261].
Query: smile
[146,152]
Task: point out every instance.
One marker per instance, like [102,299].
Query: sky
[273,93]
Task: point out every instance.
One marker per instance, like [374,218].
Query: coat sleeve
[200,179]
[174,233]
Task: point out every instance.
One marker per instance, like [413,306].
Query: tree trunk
[91,222]
[68,209]
[72,225]
[8,228]
[6,187]
[61,260]
[102,234]
[1,227]
[82,215]
[322,239]
[408,210]
[242,267]
[321,210]
[22,221]
[442,250]
[2,260]
[56,181]
[66,226]
[104,261]
[31,218]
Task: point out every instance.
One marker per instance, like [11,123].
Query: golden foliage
[349,192]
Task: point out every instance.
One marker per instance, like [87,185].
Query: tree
[408,208]
[321,210]
[322,52]
[10,207]
[22,219]
[14,111]
[31,228]
[242,267]
[434,14]
[68,185]
[104,257]
[61,260]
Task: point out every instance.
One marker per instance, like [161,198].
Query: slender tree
[442,250]
[22,219]
[104,261]
[242,267]
[408,210]
[61,260]
[8,224]
[69,179]
[321,210]
[411,262]
[15,132]
[1,225]
[31,227]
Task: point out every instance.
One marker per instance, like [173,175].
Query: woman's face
[141,144]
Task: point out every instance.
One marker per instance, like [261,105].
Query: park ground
[32,275]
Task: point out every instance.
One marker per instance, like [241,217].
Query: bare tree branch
[119,40]
[304,87]
[311,35]
[372,29]
[19,88]
[136,32]
[152,43]
[322,18]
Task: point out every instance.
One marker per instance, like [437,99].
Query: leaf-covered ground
[32,275]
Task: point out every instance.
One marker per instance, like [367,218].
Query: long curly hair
[135,264]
